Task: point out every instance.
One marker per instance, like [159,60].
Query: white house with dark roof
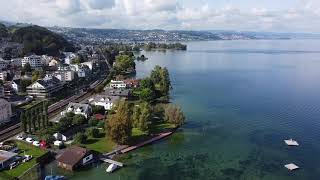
[104,100]
[78,108]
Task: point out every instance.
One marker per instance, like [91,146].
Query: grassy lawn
[101,145]
[29,150]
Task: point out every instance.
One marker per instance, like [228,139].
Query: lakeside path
[158,137]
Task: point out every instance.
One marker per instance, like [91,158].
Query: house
[104,100]
[78,108]
[74,157]
[126,93]
[132,83]
[34,61]
[45,87]
[15,84]
[6,158]
[46,59]
[3,75]
[65,76]
[54,62]
[89,64]
[61,136]
[117,84]
[69,57]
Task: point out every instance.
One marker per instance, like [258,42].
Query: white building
[117,84]
[78,108]
[3,75]
[69,57]
[65,76]
[103,100]
[54,62]
[5,111]
[34,61]
[89,64]
[45,87]
[46,59]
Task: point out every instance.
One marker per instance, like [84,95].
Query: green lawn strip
[101,145]
[29,150]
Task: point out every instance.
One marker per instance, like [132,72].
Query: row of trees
[35,117]
[175,46]
[125,117]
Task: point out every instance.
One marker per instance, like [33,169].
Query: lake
[241,100]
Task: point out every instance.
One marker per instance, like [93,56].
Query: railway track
[15,129]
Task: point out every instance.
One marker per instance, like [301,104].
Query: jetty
[291,142]
[158,137]
[291,167]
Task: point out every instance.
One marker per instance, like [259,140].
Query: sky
[239,15]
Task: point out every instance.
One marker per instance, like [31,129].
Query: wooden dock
[160,136]
[110,161]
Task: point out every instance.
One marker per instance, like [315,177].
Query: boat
[55,178]
[291,167]
[111,168]
[291,142]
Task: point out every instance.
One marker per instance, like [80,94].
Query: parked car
[36,143]
[13,165]
[29,140]
[20,137]
[27,158]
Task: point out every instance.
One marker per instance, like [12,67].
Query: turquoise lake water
[241,99]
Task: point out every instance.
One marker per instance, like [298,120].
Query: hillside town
[80,107]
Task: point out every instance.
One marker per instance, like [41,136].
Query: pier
[160,136]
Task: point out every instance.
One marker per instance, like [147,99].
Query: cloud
[164,14]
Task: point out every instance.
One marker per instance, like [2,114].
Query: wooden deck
[160,136]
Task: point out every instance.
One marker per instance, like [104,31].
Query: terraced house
[44,88]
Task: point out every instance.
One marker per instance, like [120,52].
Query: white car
[29,140]
[13,165]
[27,158]
[19,137]
[36,143]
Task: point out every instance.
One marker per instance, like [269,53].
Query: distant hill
[39,40]
[3,31]
[33,39]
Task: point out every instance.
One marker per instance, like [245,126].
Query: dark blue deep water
[241,99]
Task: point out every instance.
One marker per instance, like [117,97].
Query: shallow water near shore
[241,100]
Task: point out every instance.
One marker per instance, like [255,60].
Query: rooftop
[72,155]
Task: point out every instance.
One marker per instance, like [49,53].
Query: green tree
[93,121]
[173,114]
[93,132]
[27,68]
[124,62]
[156,74]
[80,138]
[165,83]
[147,95]
[36,75]
[142,117]
[119,125]
[24,84]
[23,119]
[147,83]
[78,119]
